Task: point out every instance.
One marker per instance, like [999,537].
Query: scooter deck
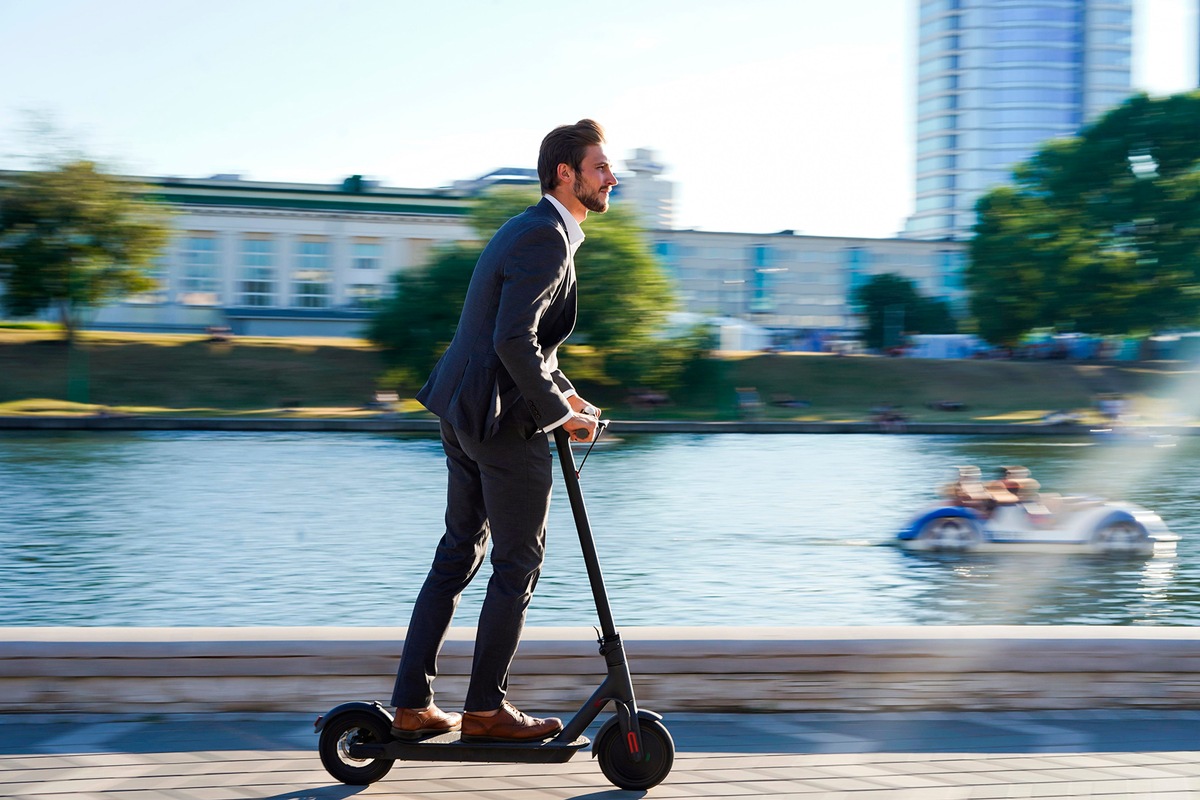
[449,747]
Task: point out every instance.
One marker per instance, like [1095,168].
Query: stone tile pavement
[1139,755]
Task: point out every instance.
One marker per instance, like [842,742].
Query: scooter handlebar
[581,434]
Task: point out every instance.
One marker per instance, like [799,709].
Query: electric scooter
[634,747]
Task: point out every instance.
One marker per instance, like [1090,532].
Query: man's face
[594,180]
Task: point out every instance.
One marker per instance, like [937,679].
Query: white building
[288,259]
[996,79]
[653,197]
[285,259]
[800,287]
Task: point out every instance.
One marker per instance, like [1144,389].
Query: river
[199,528]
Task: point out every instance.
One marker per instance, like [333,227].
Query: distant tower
[996,79]
[652,197]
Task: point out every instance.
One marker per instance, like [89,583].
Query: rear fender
[357,705]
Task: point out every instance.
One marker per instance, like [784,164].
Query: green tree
[624,299]
[1100,232]
[73,237]
[417,322]
[893,307]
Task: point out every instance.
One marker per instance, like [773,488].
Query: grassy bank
[172,374]
[180,374]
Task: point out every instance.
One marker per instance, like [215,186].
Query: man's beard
[593,201]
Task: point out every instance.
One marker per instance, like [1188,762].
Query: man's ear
[565,173]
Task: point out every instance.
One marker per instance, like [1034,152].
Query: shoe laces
[520,716]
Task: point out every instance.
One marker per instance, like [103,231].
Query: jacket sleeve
[533,271]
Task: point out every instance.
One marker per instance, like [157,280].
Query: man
[497,390]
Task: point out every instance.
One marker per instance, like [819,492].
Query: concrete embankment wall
[146,670]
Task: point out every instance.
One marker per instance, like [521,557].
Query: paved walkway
[919,756]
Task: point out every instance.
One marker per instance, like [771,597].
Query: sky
[768,114]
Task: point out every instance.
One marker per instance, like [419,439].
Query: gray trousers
[498,488]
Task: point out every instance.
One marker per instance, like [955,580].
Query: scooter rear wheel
[636,771]
[345,730]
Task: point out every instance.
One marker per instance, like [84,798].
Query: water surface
[195,528]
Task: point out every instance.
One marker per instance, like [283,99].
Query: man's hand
[581,406]
[580,427]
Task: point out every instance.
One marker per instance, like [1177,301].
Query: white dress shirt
[574,239]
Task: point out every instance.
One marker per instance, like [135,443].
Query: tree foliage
[624,298]
[419,319]
[1098,233]
[73,237]
[893,306]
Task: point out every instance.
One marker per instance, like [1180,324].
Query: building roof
[354,194]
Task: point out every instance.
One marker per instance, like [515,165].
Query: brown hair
[566,144]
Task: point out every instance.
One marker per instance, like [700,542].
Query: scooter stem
[618,685]
[586,541]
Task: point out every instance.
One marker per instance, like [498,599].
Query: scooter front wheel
[636,771]
[346,730]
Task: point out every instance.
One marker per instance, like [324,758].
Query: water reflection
[1049,589]
[185,528]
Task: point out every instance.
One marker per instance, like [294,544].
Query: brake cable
[601,426]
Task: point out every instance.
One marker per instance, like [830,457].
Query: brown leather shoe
[507,725]
[415,723]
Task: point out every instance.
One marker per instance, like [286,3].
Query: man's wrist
[557,422]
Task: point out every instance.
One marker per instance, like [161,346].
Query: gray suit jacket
[520,306]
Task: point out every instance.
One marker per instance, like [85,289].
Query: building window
[419,252]
[1101,57]
[951,264]
[1034,12]
[939,25]
[1060,76]
[1025,34]
[258,283]
[921,224]
[1026,137]
[945,102]
[934,163]
[763,258]
[367,254]
[935,201]
[668,257]
[935,143]
[1004,157]
[1111,17]
[946,63]
[1033,55]
[1030,116]
[199,284]
[364,295]
[935,182]
[857,263]
[1023,95]
[157,273]
[943,83]
[312,284]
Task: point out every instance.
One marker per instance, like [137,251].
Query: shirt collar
[574,231]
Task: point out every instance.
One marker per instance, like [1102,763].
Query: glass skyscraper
[995,79]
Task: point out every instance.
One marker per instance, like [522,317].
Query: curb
[700,669]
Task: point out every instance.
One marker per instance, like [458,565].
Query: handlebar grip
[581,433]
